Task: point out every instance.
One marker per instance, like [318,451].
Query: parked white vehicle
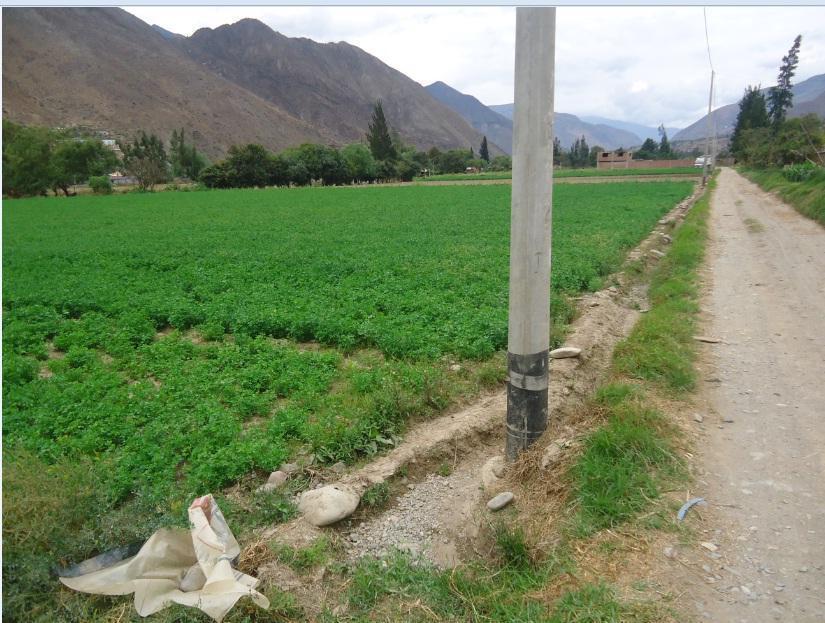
[699,163]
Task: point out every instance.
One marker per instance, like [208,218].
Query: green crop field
[562,173]
[161,346]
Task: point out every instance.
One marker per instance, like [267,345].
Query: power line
[707,39]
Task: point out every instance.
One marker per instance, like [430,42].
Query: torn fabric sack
[191,568]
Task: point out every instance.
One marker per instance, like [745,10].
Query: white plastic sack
[189,568]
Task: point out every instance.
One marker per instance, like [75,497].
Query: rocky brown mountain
[106,69]
[333,86]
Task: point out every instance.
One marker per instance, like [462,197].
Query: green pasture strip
[506,175]
[625,462]
[807,197]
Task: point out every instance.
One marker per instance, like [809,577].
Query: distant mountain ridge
[497,128]
[570,127]
[104,68]
[640,130]
[809,97]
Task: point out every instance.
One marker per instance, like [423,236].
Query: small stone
[325,506]
[492,470]
[656,253]
[565,352]
[706,339]
[803,569]
[339,467]
[500,501]
[727,419]
[667,239]
[553,453]
[711,547]
[669,552]
[290,468]
[697,417]
[455,367]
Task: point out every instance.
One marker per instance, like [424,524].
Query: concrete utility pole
[530,222]
[706,166]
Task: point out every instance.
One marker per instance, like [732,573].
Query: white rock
[697,417]
[553,453]
[290,468]
[492,470]
[455,367]
[277,478]
[656,253]
[500,501]
[711,547]
[325,506]
[275,481]
[564,352]
[339,467]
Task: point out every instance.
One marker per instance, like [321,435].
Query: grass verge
[807,197]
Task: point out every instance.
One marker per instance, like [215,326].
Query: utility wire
[707,39]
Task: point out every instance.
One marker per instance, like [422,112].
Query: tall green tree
[579,154]
[558,151]
[484,152]
[379,137]
[648,150]
[186,160]
[249,165]
[665,150]
[27,155]
[780,98]
[361,165]
[753,113]
[75,161]
[145,159]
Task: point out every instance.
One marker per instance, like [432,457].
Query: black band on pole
[526,400]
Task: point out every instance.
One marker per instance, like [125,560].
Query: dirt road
[763,447]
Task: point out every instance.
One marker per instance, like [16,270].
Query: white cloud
[604,55]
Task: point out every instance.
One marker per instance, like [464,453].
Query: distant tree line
[763,135]
[36,160]
[383,156]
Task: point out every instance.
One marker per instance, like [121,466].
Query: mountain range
[496,122]
[105,69]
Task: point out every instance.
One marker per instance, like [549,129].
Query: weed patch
[806,194]
[623,464]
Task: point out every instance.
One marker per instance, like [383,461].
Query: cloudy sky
[647,65]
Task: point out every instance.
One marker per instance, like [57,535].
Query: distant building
[112,144]
[119,179]
[614,159]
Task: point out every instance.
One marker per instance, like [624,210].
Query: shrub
[100,184]
[799,172]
